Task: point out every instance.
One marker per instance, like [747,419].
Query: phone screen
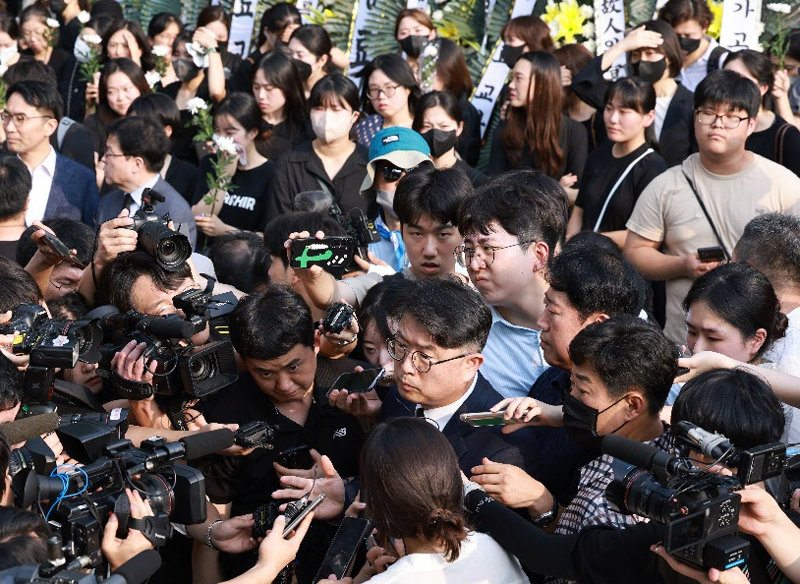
[358,382]
[343,548]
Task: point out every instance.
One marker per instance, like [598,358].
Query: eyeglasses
[387,90]
[65,286]
[19,119]
[708,118]
[421,362]
[109,154]
[465,254]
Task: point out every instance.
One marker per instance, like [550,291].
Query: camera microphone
[639,454]
[24,429]
[713,445]
[202,444]
[136,570]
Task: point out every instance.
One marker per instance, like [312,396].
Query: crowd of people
[624,259]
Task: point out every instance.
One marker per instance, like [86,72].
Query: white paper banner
[356,50]
[243,16]
[421,4]
[522,8]
[740,25]
[304,6]
[609,26]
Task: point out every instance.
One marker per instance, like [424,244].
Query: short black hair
[728,88]
[143,137]
[23,535]
[744,298]
[159,107]
[29,69]
[628,353]
[433,192]
[771,244]
[732,402]
[379,300]
[454,314]
[16,286]
[267,325]
[16,180]
[11,388]
[70,306]
[40,95]
[596,281]
[526,203]
[240,259]
[74,234]
[119,277]
[278,230]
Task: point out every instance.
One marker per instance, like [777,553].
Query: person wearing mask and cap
[393,153]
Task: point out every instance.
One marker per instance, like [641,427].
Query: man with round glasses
[706,201]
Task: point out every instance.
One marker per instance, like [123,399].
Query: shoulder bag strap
[615,187]
[780,140]
[708,217]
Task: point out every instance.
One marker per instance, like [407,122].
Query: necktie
[419,412]
[127,201]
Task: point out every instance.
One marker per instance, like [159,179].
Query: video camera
[82,498]
[170,248]
[700,509]
[137,570]
[357,226]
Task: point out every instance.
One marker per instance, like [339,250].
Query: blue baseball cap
[401,146]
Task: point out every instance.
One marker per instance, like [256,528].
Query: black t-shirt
[184,177]
[767,144]
[246,202]
[8,249]
[602,172]
[182,136]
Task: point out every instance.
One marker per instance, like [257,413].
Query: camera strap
[708,216]
[156,528]
[131,389]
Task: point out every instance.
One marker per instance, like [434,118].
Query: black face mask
[650,71]
[509,54]
[58,6]
[303,69]
[689,45]
[185,69]
[413,44]
[440,141]
[580,421]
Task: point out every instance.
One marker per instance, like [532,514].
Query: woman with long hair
[653,54]
[413,29]
[389,92]
[162,30]
[279,93]
[310,47]
[216,22]
[41,42]
[618,171]
[535,133]
[774,137]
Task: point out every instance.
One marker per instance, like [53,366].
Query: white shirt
[785,354]
[41,182]
[662,105]
[443,414]
[690,78]
[480,561]
[513,358]
[137,194]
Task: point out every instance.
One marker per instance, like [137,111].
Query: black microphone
[201,444]
[136,570]
[639,454]
[170,327]
[713,445]
[24,429]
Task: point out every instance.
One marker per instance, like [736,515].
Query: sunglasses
[391,173]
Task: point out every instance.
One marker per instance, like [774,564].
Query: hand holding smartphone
[361,382]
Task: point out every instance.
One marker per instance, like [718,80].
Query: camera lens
[203,368]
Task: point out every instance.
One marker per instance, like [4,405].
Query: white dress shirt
[137,194]
[41,182]
[443,414]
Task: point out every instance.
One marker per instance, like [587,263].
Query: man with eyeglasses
[707,201]
[392,153]
[60,186]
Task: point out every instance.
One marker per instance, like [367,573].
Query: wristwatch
[547,518]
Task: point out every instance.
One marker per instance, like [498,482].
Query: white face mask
[7,53]
[385,200]
[82,50]
[330,126]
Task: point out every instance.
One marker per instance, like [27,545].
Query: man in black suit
[441,328]
[135,151]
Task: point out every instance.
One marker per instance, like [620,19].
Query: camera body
[338,317]
[256,434]
[357,226]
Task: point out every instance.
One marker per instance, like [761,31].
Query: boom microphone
[202,444]
[24,429]
[645,456]
[713,445]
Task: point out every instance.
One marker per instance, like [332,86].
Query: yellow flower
[569,17]
[716,24]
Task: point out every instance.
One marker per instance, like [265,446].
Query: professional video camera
[700,509]
[82,498]
[357,226]
[170,248]
[790,479]
[137,570]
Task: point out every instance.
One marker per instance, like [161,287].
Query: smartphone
[333,252]
[295,457]
[358,382]
[349,538]
[711,254]
[683,353]
[62,251]
[307,508]
[482,419]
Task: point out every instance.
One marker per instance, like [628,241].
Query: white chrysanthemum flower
[430,50]
[52,23]
[152,78]
[160,50]
[779,7]
[555,27]
[196,104]
[437,14]
[92,39]
[587,11]
[588,30]
[225,144]
[84,17]
[591,45]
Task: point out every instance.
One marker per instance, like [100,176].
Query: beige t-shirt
[668,212]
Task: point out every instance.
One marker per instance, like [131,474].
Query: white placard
[740,25]
[522,8]
[243,17]
[609,26]
[356,50]
[421,4]
[305,6]
[494,76]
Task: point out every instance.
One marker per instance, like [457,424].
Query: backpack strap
[63,127]
[780,142]
[714,59]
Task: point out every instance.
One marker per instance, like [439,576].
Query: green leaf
[639,11]
[152,7]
